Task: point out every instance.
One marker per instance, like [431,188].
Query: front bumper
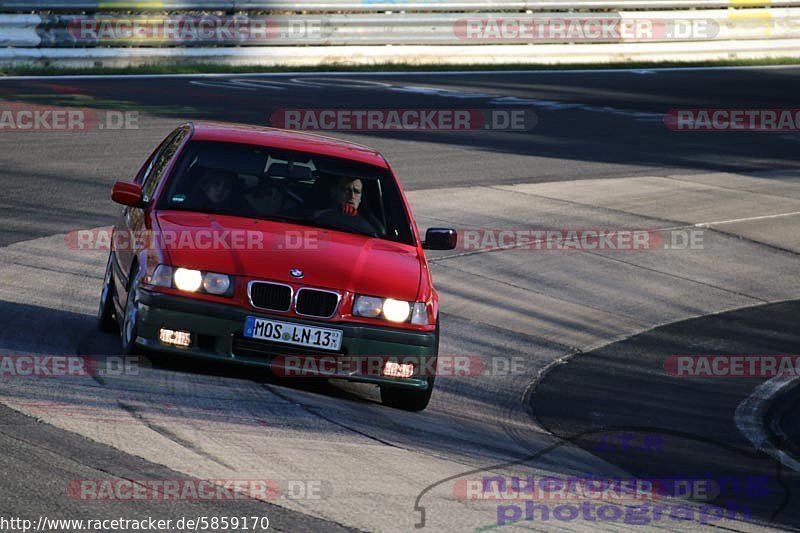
[217,334]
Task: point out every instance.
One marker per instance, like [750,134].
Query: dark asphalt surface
[623,390]
[784,421]
[39,462]
[589,125]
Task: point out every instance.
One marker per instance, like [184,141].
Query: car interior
[263,184]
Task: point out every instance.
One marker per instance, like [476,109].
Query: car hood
[269,250]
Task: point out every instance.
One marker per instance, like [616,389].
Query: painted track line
[750,414]
[746,219]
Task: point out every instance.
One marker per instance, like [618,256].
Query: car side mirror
[127,193]
[440,239]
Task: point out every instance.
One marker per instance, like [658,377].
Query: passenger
[217,185]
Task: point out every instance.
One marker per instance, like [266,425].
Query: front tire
[105,312]
[130,321]
[410,400]
[407,400]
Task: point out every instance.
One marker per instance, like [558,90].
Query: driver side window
[155,169]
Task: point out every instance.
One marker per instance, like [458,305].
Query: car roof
[287,140]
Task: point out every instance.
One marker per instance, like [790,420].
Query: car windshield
[300,187]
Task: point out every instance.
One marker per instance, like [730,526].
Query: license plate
[289,333]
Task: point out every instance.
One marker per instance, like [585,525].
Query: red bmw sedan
[275,248]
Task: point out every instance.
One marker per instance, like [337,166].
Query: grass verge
[393,67]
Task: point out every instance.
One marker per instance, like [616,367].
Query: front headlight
[419,315]
[190,280]
[162,277]
[368,306]
[390,309]
[396,310]
[215,283]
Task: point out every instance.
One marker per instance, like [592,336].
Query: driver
[347,210]
[347,194]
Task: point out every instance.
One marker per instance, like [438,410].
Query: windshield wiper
[228,213]
[303,221]
[341,228]
[279,218]
[203,211]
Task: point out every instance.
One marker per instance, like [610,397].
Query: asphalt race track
[574,345]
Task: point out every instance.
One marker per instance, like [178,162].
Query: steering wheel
[280,186]
[334,217]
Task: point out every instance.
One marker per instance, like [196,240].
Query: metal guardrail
[314,56]
[74,6]
[356,32]
[75,31]
[19,30]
